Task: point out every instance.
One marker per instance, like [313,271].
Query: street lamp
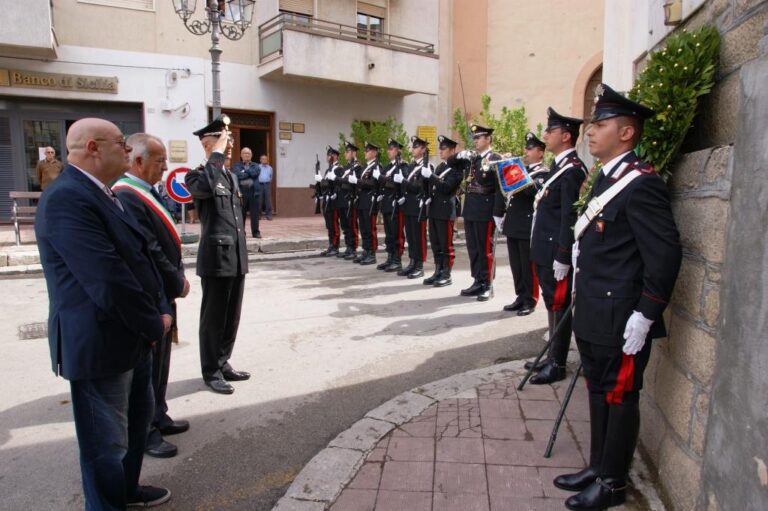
[230,18]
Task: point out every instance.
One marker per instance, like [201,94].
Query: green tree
[376,132]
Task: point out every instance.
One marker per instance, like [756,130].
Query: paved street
[325,340]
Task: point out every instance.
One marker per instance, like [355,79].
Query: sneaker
[149,496]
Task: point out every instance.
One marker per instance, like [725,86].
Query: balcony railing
[271,35]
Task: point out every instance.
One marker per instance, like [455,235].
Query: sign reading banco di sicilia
[80,83]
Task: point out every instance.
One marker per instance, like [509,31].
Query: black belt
[481,190]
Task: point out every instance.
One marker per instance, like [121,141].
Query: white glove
[376,173]
[333,196]
[426,172]
[561,270]
[636,332]
[398,177]
[352,179]
[318,178]
[421,203]
[465,154]
[401,200]
[575,254]
[499,222]
[379,198]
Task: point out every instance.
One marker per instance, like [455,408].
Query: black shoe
[417,272]
[369,259]
[472,290]
[550,373]
[383,266]
[539,366]
[485,293]
[332,252]
[601,494]
[526,310]
[514,306]
[173,427]
[394,266]
[444,279]
[430,281]
[149,496]
[408,269]
[359,257]
[232,375]
[162,450]
[257,235]
[343,254]
[576,482]
[220,386]
[350,256]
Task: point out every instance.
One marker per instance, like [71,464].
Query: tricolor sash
[126,183]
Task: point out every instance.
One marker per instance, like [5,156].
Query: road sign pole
[183,219]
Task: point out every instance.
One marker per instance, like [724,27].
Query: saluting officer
[443,184]
[328,194]
[367,192]
[552,238]
[413,202]
[628,256]
[392,215]
[517,229]
[346,182]
[222,259]
[483,202]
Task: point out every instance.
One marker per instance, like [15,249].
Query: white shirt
[139,180]
[560,157]
[611,164]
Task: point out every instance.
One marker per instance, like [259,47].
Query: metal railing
[271,35]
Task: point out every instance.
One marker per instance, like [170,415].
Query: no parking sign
[175,187]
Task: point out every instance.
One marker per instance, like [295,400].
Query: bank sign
[80,83]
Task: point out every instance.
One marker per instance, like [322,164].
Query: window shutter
[305,7]
[372,9]
[139,5]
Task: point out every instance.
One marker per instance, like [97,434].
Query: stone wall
[690,378]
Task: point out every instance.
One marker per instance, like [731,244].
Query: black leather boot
[370,258]
[601,494]
[539,366]
[550,373]
[408,269]
[472,290]
[332,251]
[394,266]
[345,253]
[445,278]
[429,281]
[350,254]
[359,257]
[418,271]
[485,292]
[514,306]
[598,422]
[325,252]
[383,266]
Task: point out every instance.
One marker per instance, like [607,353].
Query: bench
[22,214]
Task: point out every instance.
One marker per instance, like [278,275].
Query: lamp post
[230,18]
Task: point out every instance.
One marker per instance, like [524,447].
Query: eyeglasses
[121,142]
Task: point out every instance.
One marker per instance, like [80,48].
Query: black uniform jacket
[443,185]
[367,186]
[484,198]
[217,197]
[328,186]
[629,258]
[345,191]
[414,188]
[517,222]
[388,187]
[166,254]
[552,236]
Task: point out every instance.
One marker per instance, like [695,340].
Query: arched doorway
[589,92]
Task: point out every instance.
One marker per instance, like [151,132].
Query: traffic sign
[175,187]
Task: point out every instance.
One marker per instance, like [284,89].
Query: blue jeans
[112,417]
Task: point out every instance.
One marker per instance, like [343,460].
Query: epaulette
[643,166]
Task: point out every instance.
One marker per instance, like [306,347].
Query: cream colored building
[303,70]
[537,54]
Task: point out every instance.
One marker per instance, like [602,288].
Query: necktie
[114,198]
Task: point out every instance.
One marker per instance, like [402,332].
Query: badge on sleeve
[600,226]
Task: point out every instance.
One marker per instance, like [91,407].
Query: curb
[322,479]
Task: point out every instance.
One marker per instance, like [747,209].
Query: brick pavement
[481,451]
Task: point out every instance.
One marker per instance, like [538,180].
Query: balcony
[309,50]
[28,29]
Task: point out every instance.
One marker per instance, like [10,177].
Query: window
[301,9]
[138,5]
[369,27]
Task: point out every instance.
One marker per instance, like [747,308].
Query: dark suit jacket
[552,236]
[414,189]
[629,258]
[367,187]
[217,197]
[106,296]
[443,185]
[165,252]
[482,206]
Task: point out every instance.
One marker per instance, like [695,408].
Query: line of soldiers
[622,253]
